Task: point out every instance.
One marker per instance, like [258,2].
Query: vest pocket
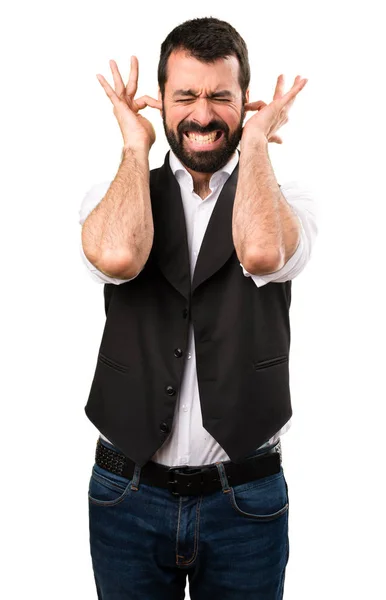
[261,364]
[112,363]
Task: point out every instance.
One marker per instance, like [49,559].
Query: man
[191,387]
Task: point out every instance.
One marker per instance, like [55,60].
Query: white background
[59,137]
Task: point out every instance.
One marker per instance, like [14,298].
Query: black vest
[242,338]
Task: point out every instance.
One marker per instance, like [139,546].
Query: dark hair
[206,39]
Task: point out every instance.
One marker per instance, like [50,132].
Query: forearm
[265,229]
[117,236]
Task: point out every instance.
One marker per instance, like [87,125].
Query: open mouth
[203,141]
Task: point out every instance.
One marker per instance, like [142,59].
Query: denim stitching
[120,498]
[262,518]
[196,535]
[108,483]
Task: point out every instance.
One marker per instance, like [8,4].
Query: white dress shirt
[189,443]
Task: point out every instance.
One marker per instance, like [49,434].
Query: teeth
[202,139]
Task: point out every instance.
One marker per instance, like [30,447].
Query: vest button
[164,427]
[170,390]
[178,353]
[185,313]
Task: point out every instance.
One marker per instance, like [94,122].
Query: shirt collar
[220,176]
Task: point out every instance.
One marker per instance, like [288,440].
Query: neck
[200,182]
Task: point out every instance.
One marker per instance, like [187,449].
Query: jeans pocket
[264,499]
[106,488]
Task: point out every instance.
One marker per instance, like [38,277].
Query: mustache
[212,126]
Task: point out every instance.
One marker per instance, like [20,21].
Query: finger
[276,139]
[279,89]
[255,105]
[290,102]
[118,81]
[280,86]
[293,92]
[288,105]
[108,89]
[132,84]
[144,101]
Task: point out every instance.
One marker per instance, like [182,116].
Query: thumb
[276,139]
[255,105]
[144,101]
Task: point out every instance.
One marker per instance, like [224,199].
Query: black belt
[187,480]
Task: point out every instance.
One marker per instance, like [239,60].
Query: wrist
[137,152]
[253,140]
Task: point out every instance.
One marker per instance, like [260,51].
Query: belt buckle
[174,481]
[184,470]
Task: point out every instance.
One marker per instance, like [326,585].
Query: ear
[247,96]
[160,98]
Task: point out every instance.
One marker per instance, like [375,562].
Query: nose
[203,113]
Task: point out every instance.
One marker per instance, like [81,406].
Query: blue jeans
[232,545]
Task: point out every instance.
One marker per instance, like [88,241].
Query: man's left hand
[270,117]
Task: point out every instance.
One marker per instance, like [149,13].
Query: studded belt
[188,480]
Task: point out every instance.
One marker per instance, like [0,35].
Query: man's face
[203,112]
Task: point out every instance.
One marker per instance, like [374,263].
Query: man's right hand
[138,133]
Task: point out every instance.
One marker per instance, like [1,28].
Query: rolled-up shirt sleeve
[306,206]
[94,195]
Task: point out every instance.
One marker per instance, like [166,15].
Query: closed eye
[192,99]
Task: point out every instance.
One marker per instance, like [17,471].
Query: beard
[204,161]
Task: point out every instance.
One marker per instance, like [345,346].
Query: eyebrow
[219,94]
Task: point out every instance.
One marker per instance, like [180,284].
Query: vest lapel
[217,245]
[170,244]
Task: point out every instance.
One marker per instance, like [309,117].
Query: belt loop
[135,481]
[223,477]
